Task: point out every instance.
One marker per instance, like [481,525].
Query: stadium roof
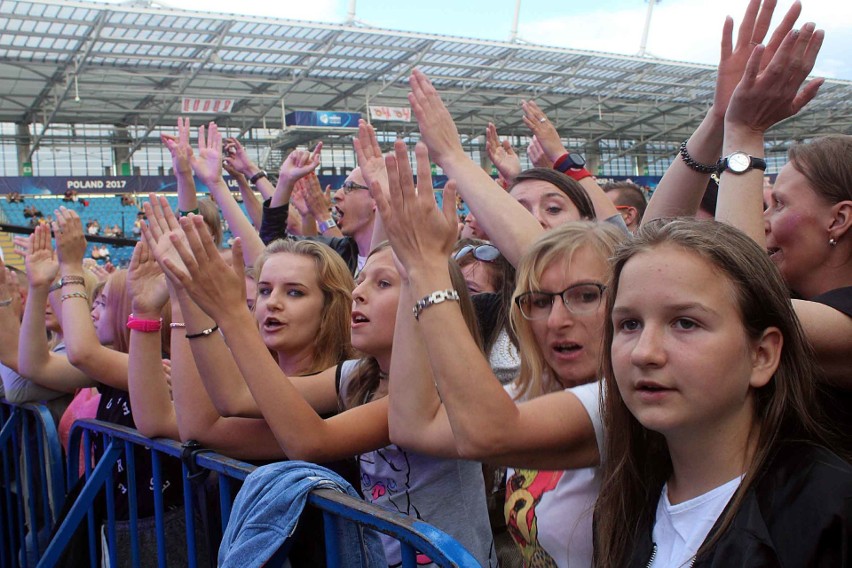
[131,64]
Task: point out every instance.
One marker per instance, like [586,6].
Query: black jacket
[273,226]
[798,514]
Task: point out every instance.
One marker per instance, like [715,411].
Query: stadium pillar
[593,161]
[641,165]
[22,143]
[121,150]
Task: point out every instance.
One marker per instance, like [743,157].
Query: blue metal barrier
[32,486]
[414,536]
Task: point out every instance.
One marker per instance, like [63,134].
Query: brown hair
[536,377]
[333,343]
[638,462]
[825,163]
[629,194]
[367,375]
[569,186]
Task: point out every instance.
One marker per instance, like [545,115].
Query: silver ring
[542,119]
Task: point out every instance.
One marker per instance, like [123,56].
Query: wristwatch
[261,174]
[740,163]
[569,161]
[326,225]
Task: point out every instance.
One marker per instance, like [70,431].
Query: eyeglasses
[579,299]
[349,186]
[485,253]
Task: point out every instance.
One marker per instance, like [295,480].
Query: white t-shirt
[680,529]
[549,513]
[362,260]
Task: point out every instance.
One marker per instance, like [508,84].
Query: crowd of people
[640,385]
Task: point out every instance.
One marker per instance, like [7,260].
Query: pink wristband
[147,326]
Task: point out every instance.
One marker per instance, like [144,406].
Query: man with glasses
[630,201]
[354,214]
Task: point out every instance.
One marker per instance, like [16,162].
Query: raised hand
[536,154]
[299,164]
[769,92]
[299,200]
[207,165]
[544,131]
[437,129]
[146,282]
[501,154]
[752,31]
[42,266]
[217,288]
[161,224]
[179,147]
[421,235]
[237,158]
[369,154]
[70,239]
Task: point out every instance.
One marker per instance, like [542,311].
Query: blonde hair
[208,209]
[536,377]
[333,343]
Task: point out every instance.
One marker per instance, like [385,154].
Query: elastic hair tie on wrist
[203,332]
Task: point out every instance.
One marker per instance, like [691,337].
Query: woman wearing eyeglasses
[553,421]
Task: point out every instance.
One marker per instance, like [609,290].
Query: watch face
[577,161]
[739,162]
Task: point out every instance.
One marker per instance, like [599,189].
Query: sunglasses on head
[485,253]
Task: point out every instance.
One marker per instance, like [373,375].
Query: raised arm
[511,227]
[181,151]
[300,431]
[84,350]
[207,165]
[35,361]
[548,137]
[154,413]
[254,209]
[236,157]
[297,165]
[766,95]
[10,318]
[501,154]
[372,165]
[485,422]
[680,191]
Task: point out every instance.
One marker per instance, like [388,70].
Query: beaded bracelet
[693,165]
[74,295]
[203,332]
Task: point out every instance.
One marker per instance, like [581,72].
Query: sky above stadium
[684,30]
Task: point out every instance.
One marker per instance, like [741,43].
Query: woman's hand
[237,158]
[501,154]
[162,223]
[299,200]
[70,240]
[369,154]
[752,31]
[536,154]
[146,283]
[42,266]
[207,165]
[317,200]
[179,147]
[437,129]
[544,132]
[769,92]
[217,288]
[421,235]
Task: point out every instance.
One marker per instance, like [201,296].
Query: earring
[832,242]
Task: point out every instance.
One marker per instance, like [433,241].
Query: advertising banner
[323,119]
